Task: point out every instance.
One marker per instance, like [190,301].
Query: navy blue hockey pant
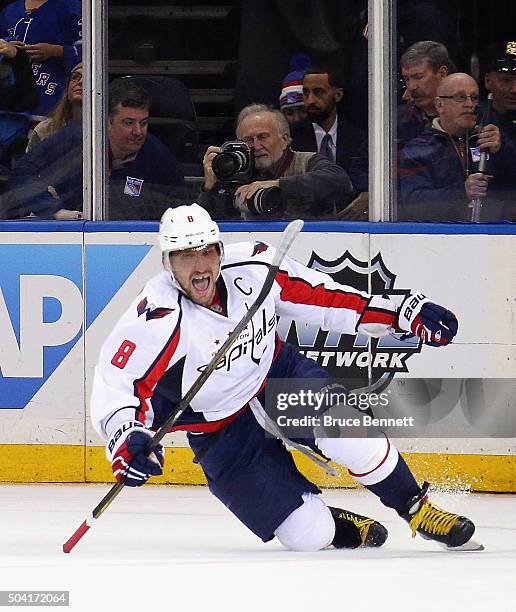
[252,474]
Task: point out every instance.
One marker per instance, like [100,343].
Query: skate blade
[470,546]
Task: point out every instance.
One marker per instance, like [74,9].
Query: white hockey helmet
[186,227]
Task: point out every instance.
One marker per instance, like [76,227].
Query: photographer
[270,179]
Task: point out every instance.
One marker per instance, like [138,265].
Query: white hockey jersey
[164,340]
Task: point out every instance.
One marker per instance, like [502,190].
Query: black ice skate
[432,523]
[354,530]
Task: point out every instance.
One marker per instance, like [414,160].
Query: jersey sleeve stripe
[298,291]
[372,315]
[144,387]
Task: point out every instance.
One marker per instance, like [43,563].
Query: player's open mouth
[201,284]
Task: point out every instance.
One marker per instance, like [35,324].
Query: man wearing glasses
[439,174]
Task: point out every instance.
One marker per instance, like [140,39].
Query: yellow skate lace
[432,519]
[363,524]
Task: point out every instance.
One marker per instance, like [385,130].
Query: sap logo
[41,314]
[50,314]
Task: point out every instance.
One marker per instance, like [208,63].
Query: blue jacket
[411,123]
[57,22]
[432,177]
[140,189]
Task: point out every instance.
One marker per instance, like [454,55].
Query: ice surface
[179,548]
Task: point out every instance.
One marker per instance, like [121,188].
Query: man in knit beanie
[291,97]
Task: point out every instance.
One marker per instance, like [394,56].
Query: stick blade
[77,535]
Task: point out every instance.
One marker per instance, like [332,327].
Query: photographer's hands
[209,176]
[245,192]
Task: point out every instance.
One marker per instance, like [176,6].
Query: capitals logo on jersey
[259,247]
[358,360]
[150,311]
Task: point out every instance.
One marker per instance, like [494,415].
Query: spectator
[500,80]
[310,184]
[423,66]
[17,89]
[325,131]
[49,31]
[438,170]
[47,181]
[17,94]
[291,97]
[69,110]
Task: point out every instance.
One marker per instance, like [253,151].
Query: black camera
[265,202]
[235,164]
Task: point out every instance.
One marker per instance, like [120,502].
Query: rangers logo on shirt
[133,186]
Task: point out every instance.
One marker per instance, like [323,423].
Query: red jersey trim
[209,427]
[144,388]
[378,316]
[298,291]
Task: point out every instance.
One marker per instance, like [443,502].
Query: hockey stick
[287,238]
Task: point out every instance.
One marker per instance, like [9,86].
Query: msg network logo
[359,360]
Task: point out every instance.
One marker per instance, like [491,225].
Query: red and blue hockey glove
[432,323]
[126,451]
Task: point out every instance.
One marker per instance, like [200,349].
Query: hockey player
[172,330]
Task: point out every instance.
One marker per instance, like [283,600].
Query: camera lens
[266,202]
[234,164]
[224,164]
[228,163]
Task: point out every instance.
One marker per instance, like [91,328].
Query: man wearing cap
[291,97]
[500,80]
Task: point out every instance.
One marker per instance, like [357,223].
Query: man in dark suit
[325,131]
